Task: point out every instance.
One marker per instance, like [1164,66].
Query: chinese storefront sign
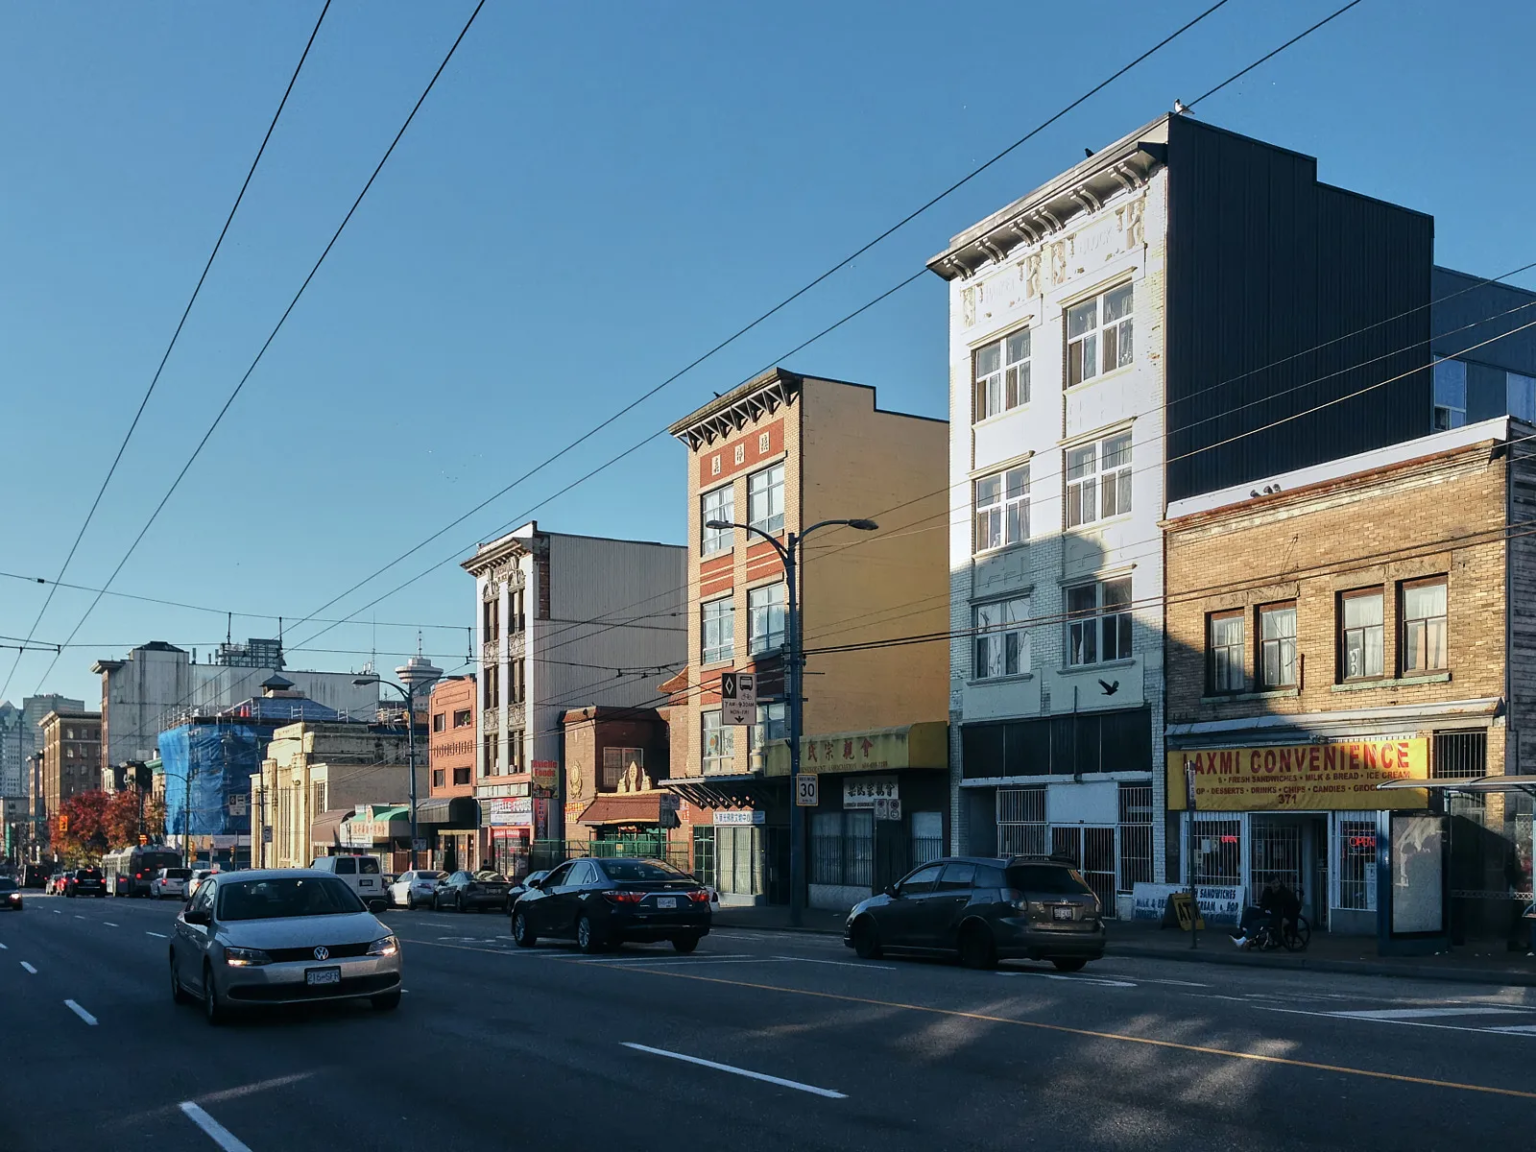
[1300,777]
[864,791]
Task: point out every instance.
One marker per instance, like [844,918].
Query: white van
[361,873]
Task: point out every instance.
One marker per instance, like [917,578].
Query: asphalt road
[759,1040]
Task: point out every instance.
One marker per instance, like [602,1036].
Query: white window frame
[1003,520]
[1098,477]
[767,623]
[717,621]
[771,480]
[1081,624]
[1000,375]
[717,743]
[772,724]
[1096,343]
[1226,658]
[995,622]
[1450,394]
[712,540]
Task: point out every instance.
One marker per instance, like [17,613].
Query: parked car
[984,909]
[467,891]
[10,894]
[603,902]
[529,881]
[362,874]
[412,888]
[56,883]
[195,881]
[86,882]
[170,882]
[281,937]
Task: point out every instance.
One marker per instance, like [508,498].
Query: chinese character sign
[864,791]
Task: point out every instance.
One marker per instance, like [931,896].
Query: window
[492,764]
[1099,480]
[957,877]
[719,631]
[717,505]
[1002,509]
[1100,622]
[765,499]
[515,751]
[439,777]
[463,718]
[492,685]
[461,775]
[927,836]
[1362,643]
[719,742]
[1002,640]
[491,625]
[843,849]
[766,615]
[1424,626]
[616,762]
[517,683]
[1224,644]
[439,721]
[1002,375]
[921,881]
[1450,394]
[1099,335]
[1277,646]
[772,724]
[516,621]
[1521,397]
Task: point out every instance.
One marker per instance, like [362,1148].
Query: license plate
[666,901]
[367,883]
[322,975]
[1061,913]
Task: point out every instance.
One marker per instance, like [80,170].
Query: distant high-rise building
[20,736]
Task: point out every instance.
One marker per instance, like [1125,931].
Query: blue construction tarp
[205,766]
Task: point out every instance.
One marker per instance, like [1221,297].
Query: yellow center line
[1199,1049]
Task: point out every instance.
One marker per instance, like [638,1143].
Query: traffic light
[143,839]
[63,823]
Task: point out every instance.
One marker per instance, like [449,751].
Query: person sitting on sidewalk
[1256,919]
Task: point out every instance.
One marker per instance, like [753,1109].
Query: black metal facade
[1298,320]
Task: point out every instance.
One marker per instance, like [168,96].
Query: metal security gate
[1092,848]
[1276,856]
[1021,827]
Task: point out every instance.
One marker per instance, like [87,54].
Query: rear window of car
[178,873]
[88,874]
[640,870]
[430,875]
[367,865]
[7,884]
[1050,879]
[490,877]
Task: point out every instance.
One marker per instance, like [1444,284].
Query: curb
[1346,967]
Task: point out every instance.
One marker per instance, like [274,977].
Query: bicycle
[1292,934]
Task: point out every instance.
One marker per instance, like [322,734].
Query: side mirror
[533,882]
[893,892]
[192,916]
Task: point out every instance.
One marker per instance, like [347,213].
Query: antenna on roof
[229,627]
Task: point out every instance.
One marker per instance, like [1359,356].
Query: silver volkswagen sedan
[282,936]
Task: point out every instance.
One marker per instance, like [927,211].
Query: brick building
[614,760]
[449,818]
[1349,625]
[783,452]
[71,757]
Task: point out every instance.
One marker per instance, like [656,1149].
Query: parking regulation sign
[738,698]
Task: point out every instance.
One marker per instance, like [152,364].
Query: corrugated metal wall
[1265,265]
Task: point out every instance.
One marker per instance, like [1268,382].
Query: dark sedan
[471,891]
[529,881]
[603,902]
[984,909]
[86,882]
[10,895]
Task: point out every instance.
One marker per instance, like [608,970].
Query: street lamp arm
[861,525]
[779,548]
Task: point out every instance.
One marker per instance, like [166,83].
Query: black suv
[984,908]
[85,882]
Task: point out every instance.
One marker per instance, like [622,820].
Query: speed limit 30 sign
[807,790]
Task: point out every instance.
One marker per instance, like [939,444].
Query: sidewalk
[1482,963]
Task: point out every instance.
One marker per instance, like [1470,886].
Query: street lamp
[409,696]
[789,553]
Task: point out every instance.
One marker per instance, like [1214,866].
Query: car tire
[522,931]
[977,948]
[685,944]
[385,1001]
[458,903]
[178,993]
[213,1012]
[587,939]
[1072,964]
[410,902]
[866,939]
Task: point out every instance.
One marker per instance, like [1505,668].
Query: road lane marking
[748,1073]
[839,963]
[215,1131]
[78,916]
[162,935]
[56,911]
[2,948]
[1372,1020]
[1091,1034]
[643,959]
[1395,1014]
[109,924]
[1100,981]
[1517,1029]
[29,967]
[81,1012]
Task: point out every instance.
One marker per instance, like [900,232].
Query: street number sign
[807,790]
[738,698]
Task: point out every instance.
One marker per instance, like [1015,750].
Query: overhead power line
[176,335]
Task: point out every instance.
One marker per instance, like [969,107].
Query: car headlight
[245,957]
[384,946]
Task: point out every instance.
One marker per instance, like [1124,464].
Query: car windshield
[7,884]
[177,873]
[641,870]
[1051,879]
[281,898]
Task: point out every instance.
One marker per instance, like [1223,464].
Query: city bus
[128,871]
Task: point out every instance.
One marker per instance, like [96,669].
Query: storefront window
[739,859]
[843,848]
[1357,865]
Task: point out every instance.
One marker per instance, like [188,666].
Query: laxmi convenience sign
[1301,777]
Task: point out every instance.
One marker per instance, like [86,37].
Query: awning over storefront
[379,824]
[448,811]
[327,829]
[923,745]
[628,808]
[1477,785]
[745,790]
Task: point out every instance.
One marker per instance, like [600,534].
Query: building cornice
[726,415]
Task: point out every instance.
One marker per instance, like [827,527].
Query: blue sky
[593,195]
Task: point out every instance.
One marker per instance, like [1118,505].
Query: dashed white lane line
[162,935]
[29,967]
[56,911]
[1097,981]
[78,916]
[215,1131]
[81,1012]
[828,1093]
[665,959]
[838,963]
[109,924]
[2,948]
[1424,1013]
